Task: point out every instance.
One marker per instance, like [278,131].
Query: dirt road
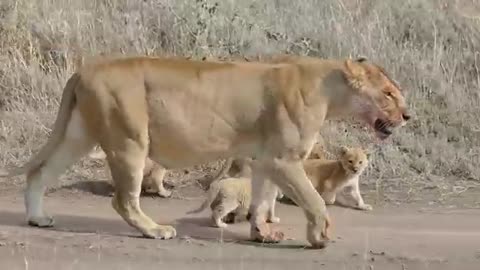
[90,235]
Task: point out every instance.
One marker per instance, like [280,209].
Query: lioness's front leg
[291,178]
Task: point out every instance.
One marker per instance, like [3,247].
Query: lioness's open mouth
[382,128]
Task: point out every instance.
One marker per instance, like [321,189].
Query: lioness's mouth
[382,128]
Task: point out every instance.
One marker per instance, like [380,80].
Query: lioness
[181,112]
[331,176]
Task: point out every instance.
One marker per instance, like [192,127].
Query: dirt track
[90,235]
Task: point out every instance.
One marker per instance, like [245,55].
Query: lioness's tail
[211,195]
[63,116]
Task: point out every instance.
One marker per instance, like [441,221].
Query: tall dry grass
[430,46]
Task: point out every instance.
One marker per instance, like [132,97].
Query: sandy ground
[90,235]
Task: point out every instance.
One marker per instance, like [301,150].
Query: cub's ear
[343,150]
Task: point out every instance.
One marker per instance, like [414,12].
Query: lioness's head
[379,100]
[354,160]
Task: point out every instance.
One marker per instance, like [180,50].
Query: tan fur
[182,113]
[225,196]
[329,177]
[154,174]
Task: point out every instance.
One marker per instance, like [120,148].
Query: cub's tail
[211,195]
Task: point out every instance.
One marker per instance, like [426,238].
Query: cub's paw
[42,222]
[273,220]
[365,207]
[221,224]
[165,193]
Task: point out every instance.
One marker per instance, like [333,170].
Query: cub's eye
[360,162]
[350,161]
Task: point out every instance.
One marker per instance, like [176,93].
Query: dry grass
[429,46]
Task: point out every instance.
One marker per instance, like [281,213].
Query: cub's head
[378,100]
[354,160]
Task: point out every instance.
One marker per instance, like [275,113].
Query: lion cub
[230,197]
[225,196]
[331,176]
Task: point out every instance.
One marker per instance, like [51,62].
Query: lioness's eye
[351,161]
[389,94]
[360,162]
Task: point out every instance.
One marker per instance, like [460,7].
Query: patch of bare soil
[88,234]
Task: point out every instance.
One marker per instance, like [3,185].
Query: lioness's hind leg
[76,143]
[127,173]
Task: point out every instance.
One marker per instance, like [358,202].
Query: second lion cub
[331,176]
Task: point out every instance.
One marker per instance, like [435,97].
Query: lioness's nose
[406,116]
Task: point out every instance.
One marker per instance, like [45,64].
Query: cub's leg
[153,175]
[222,210]
[76,143]
[279,194]
[360,204]
[230,218]
[290,176]
[262,195]
[154,182]
[271,218]
[329,197]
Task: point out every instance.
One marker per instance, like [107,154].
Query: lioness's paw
[317,235]
[273,220]
[46,221]
[365,207]
[161,232]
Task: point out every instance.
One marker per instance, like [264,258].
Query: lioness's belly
[184,132]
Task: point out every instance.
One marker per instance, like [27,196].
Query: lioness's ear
[354,69]
[361,59]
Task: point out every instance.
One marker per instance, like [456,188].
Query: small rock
[2,244]
[377,253]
